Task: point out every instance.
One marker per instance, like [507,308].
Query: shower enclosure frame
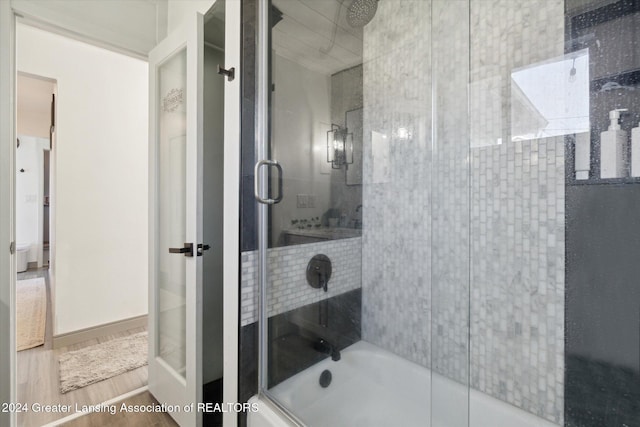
[261,188]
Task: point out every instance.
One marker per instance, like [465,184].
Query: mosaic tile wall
[287,272]
[415,253]
[396,295]
[450,192]
[506,35]
[517,274]
[517,215]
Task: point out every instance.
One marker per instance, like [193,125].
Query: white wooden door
[175,227]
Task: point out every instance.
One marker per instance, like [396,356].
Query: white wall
[100,181]
[301,119]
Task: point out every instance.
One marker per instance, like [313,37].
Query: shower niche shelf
[608,32]
[626,78]
[599,181]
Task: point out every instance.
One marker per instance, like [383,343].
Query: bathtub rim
[476,399]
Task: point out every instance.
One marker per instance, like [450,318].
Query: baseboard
[75,337]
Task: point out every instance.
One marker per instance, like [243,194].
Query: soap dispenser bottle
[613,148]
[635,151]
[582,155]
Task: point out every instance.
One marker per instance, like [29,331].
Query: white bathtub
[372,387]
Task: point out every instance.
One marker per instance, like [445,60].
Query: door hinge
[12,248]
[52,128]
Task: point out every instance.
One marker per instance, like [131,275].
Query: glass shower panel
[449,211]
[454,202]
[396,262]
[313,278]
[354,267]
[526,98]
[314,264]
[316,123]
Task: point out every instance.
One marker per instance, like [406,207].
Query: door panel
[175,288]
[176,211]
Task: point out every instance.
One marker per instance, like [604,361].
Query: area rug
[99,362]
[31,312]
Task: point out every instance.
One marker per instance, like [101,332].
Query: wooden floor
[120,419]
[37,376]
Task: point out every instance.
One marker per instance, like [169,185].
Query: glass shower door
[449,213]
[526,100]
[487,212]
[360,299]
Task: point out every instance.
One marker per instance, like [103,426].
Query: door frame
[231,210]
[7,209]
[231,199]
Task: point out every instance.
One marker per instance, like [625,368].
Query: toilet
[22,251]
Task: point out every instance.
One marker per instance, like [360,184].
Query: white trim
[77,415]
[7,209]
[32,21]
[231,203]
[57,18]
[98,331]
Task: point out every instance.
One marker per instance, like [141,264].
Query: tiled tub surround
[450,194]
[517,214]
[396,263]
[517,274]
[506,35]
[514,301]
[287,266]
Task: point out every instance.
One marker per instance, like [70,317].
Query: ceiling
[34,94]
[307,27]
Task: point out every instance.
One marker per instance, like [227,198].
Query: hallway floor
[154,419]
[37,374]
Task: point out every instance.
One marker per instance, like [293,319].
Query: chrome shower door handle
[256,182]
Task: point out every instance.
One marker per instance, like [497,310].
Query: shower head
[361,12]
